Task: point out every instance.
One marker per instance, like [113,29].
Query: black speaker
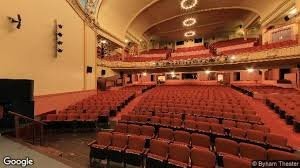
[286,18]
[16,89]
[103,72]
[298,66]
[89,69]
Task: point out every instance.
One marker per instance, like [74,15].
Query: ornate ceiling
[162,19]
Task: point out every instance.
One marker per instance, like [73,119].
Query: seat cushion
[99,146]
[132,151]
[115,148]
[177,163]
[156,157]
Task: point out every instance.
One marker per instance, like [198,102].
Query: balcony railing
[250,57]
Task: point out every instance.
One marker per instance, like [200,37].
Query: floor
[18,151]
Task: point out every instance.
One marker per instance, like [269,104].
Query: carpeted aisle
[276,124]
[130,106]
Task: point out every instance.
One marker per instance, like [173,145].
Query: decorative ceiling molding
[282,8]
[89,17]
[199,11]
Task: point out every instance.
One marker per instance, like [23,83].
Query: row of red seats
[287,106]
[143,59]
[216,116]
[231,42]
[264,139]
[267,89]
[259,48]
[120,147]
[178,122]
[157,51]
[188,56]
[187,49]
[113,58]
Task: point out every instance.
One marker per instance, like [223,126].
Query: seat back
[200,140]
[273,154]
[190,124]
[274,139]
[119,140]
[159,147]
[230,161]
[134,129]
[217,128]
[203,126]
[255,135]
[227,146]
[165,133]
[252,152]
[136,143]
[104,138]
[202,158]
[179,153]
[182,136]
[238,132]
[147,130]
[120,127]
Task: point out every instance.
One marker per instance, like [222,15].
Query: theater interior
[150,83]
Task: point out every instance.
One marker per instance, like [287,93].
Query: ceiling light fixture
[189,22]
[188,4]
[189,33]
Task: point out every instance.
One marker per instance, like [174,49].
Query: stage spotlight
[60,50]
[60,26]
[250,70]
[59,42]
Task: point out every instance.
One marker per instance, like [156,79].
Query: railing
[275,54]
[28,129]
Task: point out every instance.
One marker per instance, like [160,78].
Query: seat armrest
[146,151]
[94,141]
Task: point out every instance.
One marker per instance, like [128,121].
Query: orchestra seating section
[157,51]
[283,101]
[287,107]
[263,89]
[96,108]
[140,144]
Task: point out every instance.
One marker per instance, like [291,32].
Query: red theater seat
[158,151]
[230,161]
[147,131]
[202,158]
[179,155]
[182,137]
[120,128]
[276,140]
[226,146]
[256,136]
[252,152]
[133,129]
[135,150]
[200,140]
[280,155]
[165,134]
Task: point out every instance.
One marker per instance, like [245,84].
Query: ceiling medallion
[188,4]
[189,22]
[189,33]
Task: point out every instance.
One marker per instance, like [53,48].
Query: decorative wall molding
[89,15]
